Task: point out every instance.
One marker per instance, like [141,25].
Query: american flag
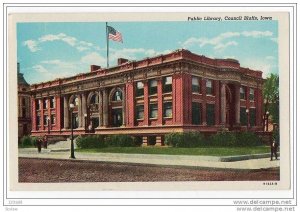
[114,34]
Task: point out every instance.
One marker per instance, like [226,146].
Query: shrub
[92,141]
[223,139]
[120,141]
[187,139]
[26,141]
[138,141]
[248,139]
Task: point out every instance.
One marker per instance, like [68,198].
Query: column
[84,111]
[159,102]
[146,103]
[124,106]
[203,91]
[42,114]
[80,116]
[100,109]
[105,108]
[58,112]
[33,114]
[66,113]
[237,104]
[217,101]
[223,103]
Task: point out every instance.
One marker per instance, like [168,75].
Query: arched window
[117,96]
[94,99]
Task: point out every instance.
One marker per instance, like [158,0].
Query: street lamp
[247,112]
[267,117]
[85,122]
[72,142]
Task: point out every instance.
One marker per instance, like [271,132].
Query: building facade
[24,105]
[177,92]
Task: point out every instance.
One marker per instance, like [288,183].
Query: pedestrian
[45,141]
[39,144]
[275,142]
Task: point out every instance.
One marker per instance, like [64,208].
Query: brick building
[24,107]
[176,92]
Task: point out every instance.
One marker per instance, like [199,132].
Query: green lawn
[213,151]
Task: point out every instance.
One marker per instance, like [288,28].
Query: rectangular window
[38,121]
[251,94]
[139,89]
[38,104]
[45,104]
[52,102]
[195,85]
[24,112]
[153,110]
[242,93]
[252,116]
[209,87]
[168,109]
[140,111]
[210,114]
[53,119]
[167,84]
[243,116]
[45,120]
[196,113]
[152,87]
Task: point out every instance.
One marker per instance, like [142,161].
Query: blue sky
[54,50]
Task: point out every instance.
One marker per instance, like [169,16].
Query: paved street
[56,170]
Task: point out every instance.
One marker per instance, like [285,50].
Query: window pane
[195,85]
[140,85]
[242,93]
[139,89]
[117,96]
[209,88]
[168,109]
[243,116]
[168,80]
[210,114]
[251,95]
[153,83]
[153,110]
[196,113]
[140,111]
[153,87]
[252,116]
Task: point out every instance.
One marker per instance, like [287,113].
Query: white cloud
[40,69]
[265,66]
[222,46]
[32,45]
[93,58]
[257,34]
[219,42]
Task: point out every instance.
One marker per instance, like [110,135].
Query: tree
[271,97]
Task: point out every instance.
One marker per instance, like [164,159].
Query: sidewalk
[169,160]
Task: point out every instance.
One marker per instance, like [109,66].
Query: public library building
[177,92]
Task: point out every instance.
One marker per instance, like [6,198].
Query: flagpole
[107,47]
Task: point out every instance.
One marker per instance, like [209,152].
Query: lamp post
[267,118]
[72,142]
[85,122]
[247,112]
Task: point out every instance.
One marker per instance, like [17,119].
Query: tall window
[140,111]
[53,119]
[196,113]
[242,93]
[45,103]
[210,114]
[243,116]
[23,102]
[252,116]
[209,87]
[251,94]
[153,110]
[139,89]
[168,109]
[152,87]
[24,112]
[195,85]
[38,104]
[38,121]
[52,102]
[167,84]
[117,96]
[45,120]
